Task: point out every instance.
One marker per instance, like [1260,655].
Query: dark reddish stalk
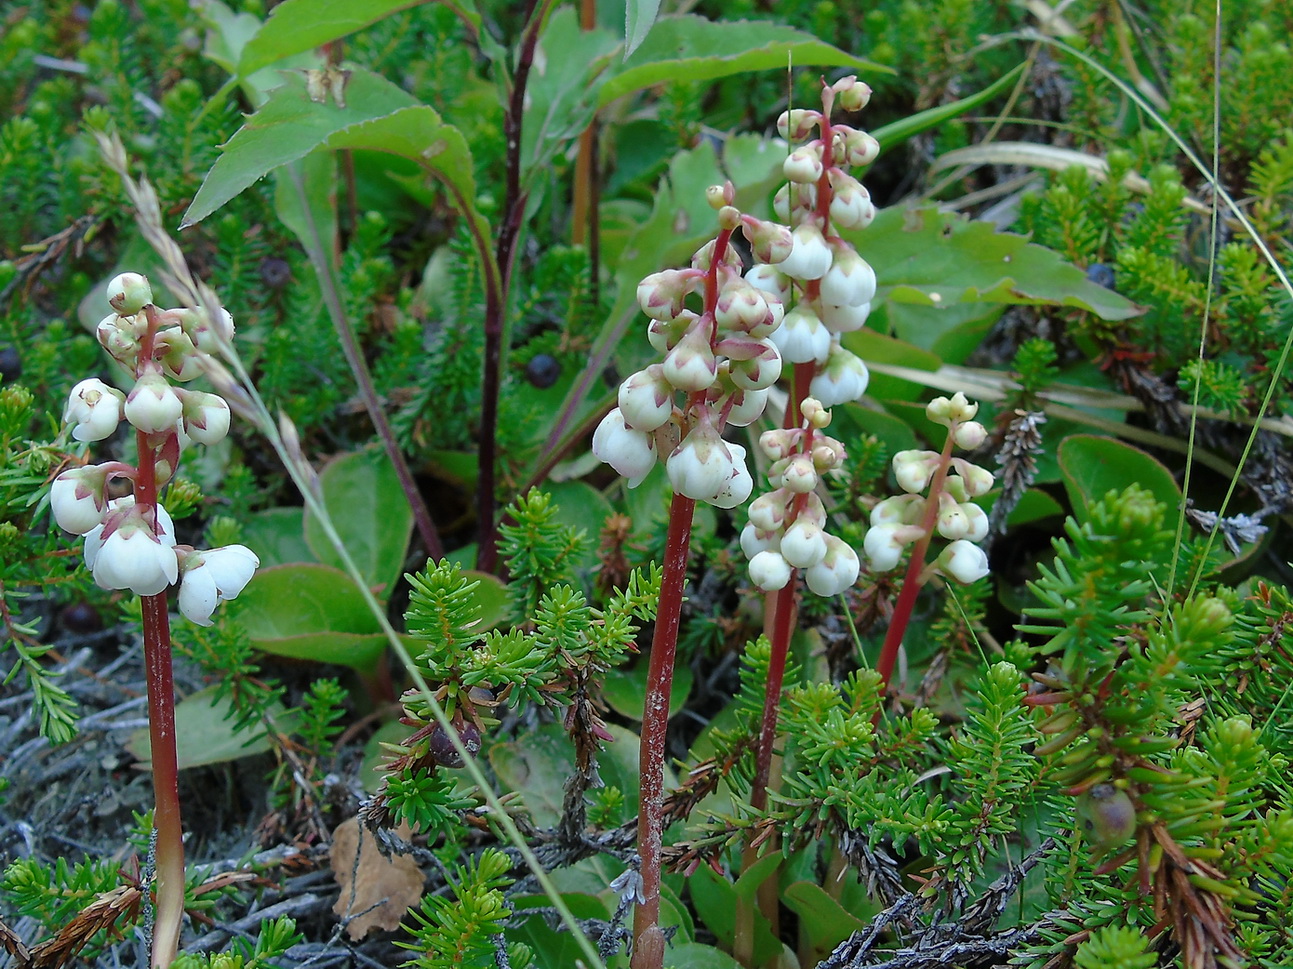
[911,582]
[783,614]
[648,940]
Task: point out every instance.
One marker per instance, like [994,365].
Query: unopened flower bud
[970,435]
[646,399]
[748,409]
[882,547]
[852,94]
[803,165]
[117,335]
[836,572]
[630,452]
[797,123]
[800,476]
[803,544]
[963,561]
[741,306]
[844,378]
[978,518]
[778,443]
[898,510]
[767,512]
[180,358]
[851,206]
[759,372]
[78,499]
[770,242]
[951,410]
[815,413]
[843,319]
[739,483]
[153,405]
[664,335]
[720,195]
[802,338]
[810,257]
[770,280]
[850,281]
[691,365]
[702,465]
[206,417]
[755,540]
[859,147]
[913,469]
[952,522]
[661,294]
[769,571]
[129,293]
[978,481]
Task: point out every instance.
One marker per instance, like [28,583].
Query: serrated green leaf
[370,512]
[690,48]
[377,115]
[932,258]
[639,16]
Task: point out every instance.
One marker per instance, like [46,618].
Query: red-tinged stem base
[648,942]
[169,857]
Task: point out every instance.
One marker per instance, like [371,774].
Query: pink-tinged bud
[899,510]
[78,499]
[702,465]
[951,410]
[970,435]
[811,257]
[836,572]
[664,335]
[214,576]
[801,338]
[779,443]
[978,481]
[827,455]
[759,372]
[843,319]
[153,405]
[769,242]
[702,257]
[953,523]
[646,399]
[851,94]
[206,417]
[767,512]
[804,165]
[748,409]
[882,547]
[630,452]
[814,510]
[661,294]
[769,571]
[770,280]
[850,281]
[851,206]
[913,469]
[859,147]
[119,335]
[815,413]
[963,561]
[691,365]
[180,358]
[804,544]
[978,530]
[755,540]
[844,378]
[738,485]
[719,196]
[94,409]
[799,475]
[129,293]
[797,123]
[740,306]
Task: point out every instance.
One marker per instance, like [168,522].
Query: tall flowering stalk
[130,541]
[717,365]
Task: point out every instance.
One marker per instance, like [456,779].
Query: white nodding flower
[702,465]
[128,552]
[630,452]
[804,544]
[646,399]
[913,469]
[803,165]
[770,242]
[661,294]
[95,410]
[769,571]
[969,435]
[691,365]
[963,561]
[79,500]
[837,570]
[212,576]
[756,540]
[206,417]
[978,521]
[769,279]
[850,281]
[767,512]
[883,547]
[802,338]
[843,319]
[811,256]
[739,485]
[800,474]
[153,405]
[953,523]
[663,335]
[978,481]
[898,510]
[128,293]
[749,409]
[844,378]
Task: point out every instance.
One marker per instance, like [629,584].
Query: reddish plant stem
[911,582]
[648,952]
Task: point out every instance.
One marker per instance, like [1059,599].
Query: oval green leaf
[1092,466]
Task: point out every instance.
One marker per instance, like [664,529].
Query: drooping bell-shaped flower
[213,576]
[95,410]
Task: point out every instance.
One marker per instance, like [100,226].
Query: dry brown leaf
[375,890]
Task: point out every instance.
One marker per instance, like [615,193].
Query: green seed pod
[1107,816]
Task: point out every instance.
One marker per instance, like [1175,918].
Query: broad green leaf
[878,348]
[276,535]
[933,258]
[297,25]
[370,512]
[693,955]
[359,653]
[625,690]
[952,332]
[690,48]
[377,115]
[1093,466]
[581,506]
[205,734]
[826,922]
[305,200]
[715,900]
[639,16]
[491,596]
[554,946]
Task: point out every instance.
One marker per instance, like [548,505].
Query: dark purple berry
[1101,275]
[10,364]
[274,272]
[81,619]
[543,370]
[442,750]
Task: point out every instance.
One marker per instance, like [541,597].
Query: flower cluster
[717,365]
[786,530]
[130,542]
[948,510]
